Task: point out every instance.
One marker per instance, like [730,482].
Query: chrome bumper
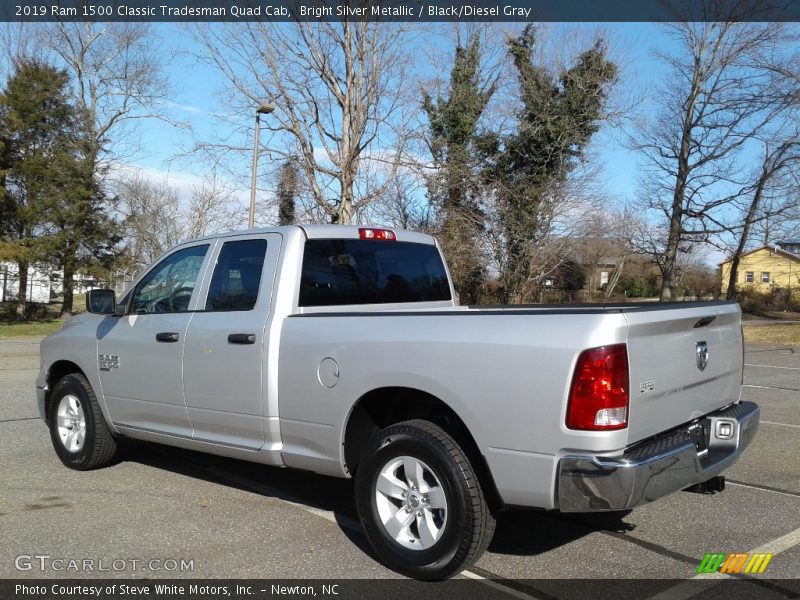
[658,466]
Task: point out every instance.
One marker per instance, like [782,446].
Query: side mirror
[101,302]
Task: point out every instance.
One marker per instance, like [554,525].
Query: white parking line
[781,424]
[768,387]
[781,544]
[348,523]
[498,586]
[772,367]
[698,583]
[761,489]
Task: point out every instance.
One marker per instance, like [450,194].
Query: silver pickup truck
[342,350]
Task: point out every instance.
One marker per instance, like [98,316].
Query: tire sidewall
[419,445]
[72,385]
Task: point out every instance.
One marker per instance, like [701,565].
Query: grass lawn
[47,323]
[29,328]
[773,334]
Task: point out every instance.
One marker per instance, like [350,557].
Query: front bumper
[658,466]
[41,392]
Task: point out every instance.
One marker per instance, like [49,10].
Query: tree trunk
[22,294]
[737,255]
[68,282]
[344,210]
[682,176]
[675,220]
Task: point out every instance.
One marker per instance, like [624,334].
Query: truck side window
[168,287]
[237,276]
[344,271]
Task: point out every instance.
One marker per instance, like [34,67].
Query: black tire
[98,447]
[469,526]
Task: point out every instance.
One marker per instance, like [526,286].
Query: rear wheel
[420,503]
[78,430]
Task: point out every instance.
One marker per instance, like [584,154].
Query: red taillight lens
[369,233]
[598,397]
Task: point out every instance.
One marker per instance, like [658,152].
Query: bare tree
[339,96]
[154,218]
[117,70]
[401,206]
[212,208]
[606,235]
[777,224]
[718,94]
[15,45]
[566,212]
[780,157]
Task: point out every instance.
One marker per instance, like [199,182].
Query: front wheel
[420,502]
[78,430]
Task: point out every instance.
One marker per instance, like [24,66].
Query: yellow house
[765,269]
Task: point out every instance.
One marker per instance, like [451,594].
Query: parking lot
[238,520]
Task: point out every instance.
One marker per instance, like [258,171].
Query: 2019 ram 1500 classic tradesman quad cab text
[341,350]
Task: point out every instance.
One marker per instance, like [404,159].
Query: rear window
[337,272]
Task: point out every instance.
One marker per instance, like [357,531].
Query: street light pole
[263,109]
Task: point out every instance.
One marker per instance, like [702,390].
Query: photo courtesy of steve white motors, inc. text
[142,589]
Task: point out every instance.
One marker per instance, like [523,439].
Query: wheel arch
[59,369]
[382,407]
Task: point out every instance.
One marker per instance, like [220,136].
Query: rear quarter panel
[506,375]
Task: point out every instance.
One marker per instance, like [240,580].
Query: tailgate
[684,363]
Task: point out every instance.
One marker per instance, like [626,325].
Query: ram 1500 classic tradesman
[341,350]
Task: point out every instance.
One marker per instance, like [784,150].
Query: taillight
[369,233]
[598,396]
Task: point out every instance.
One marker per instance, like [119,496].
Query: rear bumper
[655,467]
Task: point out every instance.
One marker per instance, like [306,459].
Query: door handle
[167,336]
[242,338]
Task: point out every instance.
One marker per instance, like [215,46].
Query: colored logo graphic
[719,562]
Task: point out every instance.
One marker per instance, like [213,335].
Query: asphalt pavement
[200,516]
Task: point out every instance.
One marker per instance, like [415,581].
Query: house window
[765,277]
[749,276]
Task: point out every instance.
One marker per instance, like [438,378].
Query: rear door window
[237,276]
[346,271]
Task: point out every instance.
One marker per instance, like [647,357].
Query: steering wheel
[179,293]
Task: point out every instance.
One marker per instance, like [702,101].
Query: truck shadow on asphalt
[519,532]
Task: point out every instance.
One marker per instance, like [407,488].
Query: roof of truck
[325,232]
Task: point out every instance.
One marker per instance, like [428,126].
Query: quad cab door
[141,353]
[227,346]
